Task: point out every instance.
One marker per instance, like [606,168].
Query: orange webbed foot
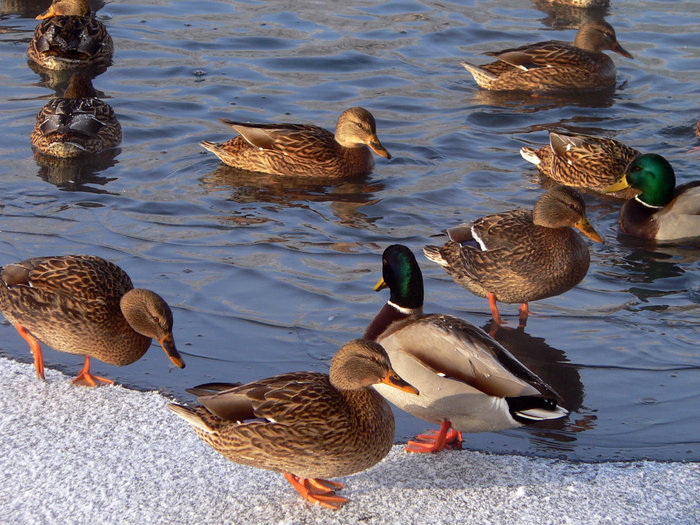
[318,491]
[436,440]
[85,378]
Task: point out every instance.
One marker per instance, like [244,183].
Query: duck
[77,123]
[306,425]
[661,211]
[583,161]
[467,381]
[304,150]
[520,255]
[69,36]
[84,305]
[554,65]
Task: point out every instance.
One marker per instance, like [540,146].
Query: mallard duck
[582,161]
[306,425]
[303,149]
[77,123]
[520,255]
[662,211]
[69,36]
[467,381]
[554,65]
[85,305]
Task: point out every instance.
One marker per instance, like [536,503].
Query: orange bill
[377,147]
[588,230]
[168,344]
[392,379]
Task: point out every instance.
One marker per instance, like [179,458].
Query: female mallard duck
[554,65]
[593,163]
[69,36]
[520,255]
[662,211]
[302,149]
[304,424]
[82,304]
[77,123]
[465,378]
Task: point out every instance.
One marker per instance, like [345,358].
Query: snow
[113,455]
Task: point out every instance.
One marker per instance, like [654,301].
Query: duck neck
[389,314]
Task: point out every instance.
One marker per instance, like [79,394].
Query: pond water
[267,275]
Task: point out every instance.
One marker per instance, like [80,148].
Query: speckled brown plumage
[77,123]
[520,255]
[582,161]
[302,149]
[554,65]
[85,305]
[69,36]
[305,423]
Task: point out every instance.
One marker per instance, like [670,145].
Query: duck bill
[617,48]
[392,379]
[588,230]
[621,184]
[46,14]
[381,284]
[168,344]
[377,147]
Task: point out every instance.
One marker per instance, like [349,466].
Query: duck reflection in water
[555,369]
[571,14]
[79,173]
[345,196]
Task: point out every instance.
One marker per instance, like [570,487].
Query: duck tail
[530,409]
[530,155]
[433,253]
[190,416]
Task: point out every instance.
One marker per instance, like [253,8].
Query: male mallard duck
[582,161]
[465,378]
[554,65]
[304,424]
[82,304]
[520,255]
[77,123]
[303,149]
[69,36]
[662,211]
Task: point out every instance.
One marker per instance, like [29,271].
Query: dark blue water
[267,276]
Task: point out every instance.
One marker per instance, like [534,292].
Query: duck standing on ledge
[467,381]
[306,425]
[554,65]
[520,255]
[662,211]
[304,150]
[85,305]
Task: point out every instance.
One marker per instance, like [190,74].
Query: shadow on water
[78,174]
[345,197]
[555,369]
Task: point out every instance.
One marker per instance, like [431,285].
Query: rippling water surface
[267,276]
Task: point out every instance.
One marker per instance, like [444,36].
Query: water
[266,276]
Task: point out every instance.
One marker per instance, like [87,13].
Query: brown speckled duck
[554,65]
[661,211]
[306,425]
[467,381]
[77,123]
[69,36]
[520,255]
[85,305]
[303,149]
[582,161]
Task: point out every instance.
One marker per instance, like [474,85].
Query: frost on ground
[113,455]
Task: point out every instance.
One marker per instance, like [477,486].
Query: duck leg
[85,378]
[319,491]
[436,440]
[35,348]
[524,312]
[497,321]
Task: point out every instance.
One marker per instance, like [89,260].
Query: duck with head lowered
[520,255]
[661,211]
[553,65]
[304,150]
[467,381]
[306,425]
